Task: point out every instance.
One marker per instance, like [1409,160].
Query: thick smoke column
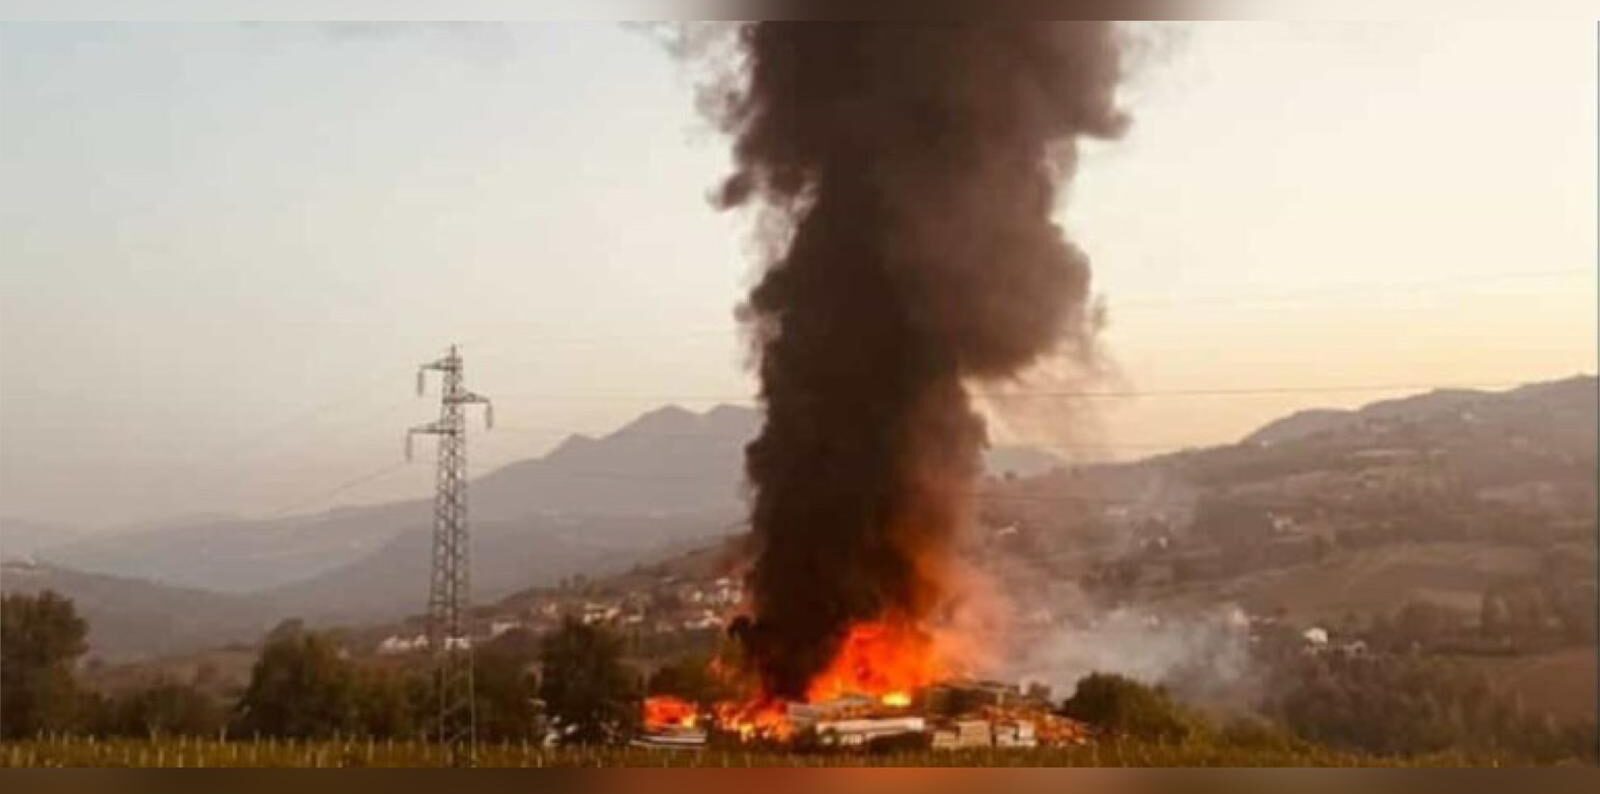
[914,168]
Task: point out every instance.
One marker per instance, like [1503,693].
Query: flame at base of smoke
[882,659]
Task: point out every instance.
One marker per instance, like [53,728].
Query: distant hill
[1413,498]
[1020,461]
[22,538]
[391,583]
[669,461]
[1543,432]
[238,555]
[1301,424]
[665,482]
[669,482]
[668,475]
[1567,400]
[130,618]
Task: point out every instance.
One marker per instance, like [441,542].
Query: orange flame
[666,711]
[896,699]
[761,719]
[886,660]
[883,659]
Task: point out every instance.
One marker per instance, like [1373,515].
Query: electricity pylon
[449,588]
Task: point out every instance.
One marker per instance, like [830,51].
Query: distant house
[594,613]
[705,620]
[395,645]
[1536,493]
[726,592]
[1384,454]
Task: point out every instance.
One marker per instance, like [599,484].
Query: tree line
[573,686]
[304,686]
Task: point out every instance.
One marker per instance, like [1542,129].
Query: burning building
[964,715]
[671,723]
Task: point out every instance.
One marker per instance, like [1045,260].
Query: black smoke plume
[913,169]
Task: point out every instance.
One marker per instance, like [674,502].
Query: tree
[1123,706]
[1415,704]
[504,690]
[586,689]
[166,708]
[299,687]
[41,636]
[393,703]
[689,677]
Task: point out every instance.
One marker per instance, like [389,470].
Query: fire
[882,659]
[764,718]
[666,711]
[886,660]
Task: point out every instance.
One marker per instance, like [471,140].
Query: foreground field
[80,752]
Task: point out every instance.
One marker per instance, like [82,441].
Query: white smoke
[1200,655]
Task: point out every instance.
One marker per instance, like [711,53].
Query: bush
[166,708]
[1122,706]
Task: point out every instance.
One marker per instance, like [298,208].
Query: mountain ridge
[1497,440]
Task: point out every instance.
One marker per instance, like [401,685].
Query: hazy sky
[226,247]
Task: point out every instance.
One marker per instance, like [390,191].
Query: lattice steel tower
[449,588]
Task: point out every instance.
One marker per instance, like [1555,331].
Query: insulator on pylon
[422,381]
[408,447]
[488,415]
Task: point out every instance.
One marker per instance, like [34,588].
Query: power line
[241,476]
[240,449]
[1116,305]
[1074,394]
[248,443]
[1224,391]
[1200,392]
[1231,391]
[1084,446]
[340,488]
[636,477]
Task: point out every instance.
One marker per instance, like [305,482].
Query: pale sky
[226,247]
